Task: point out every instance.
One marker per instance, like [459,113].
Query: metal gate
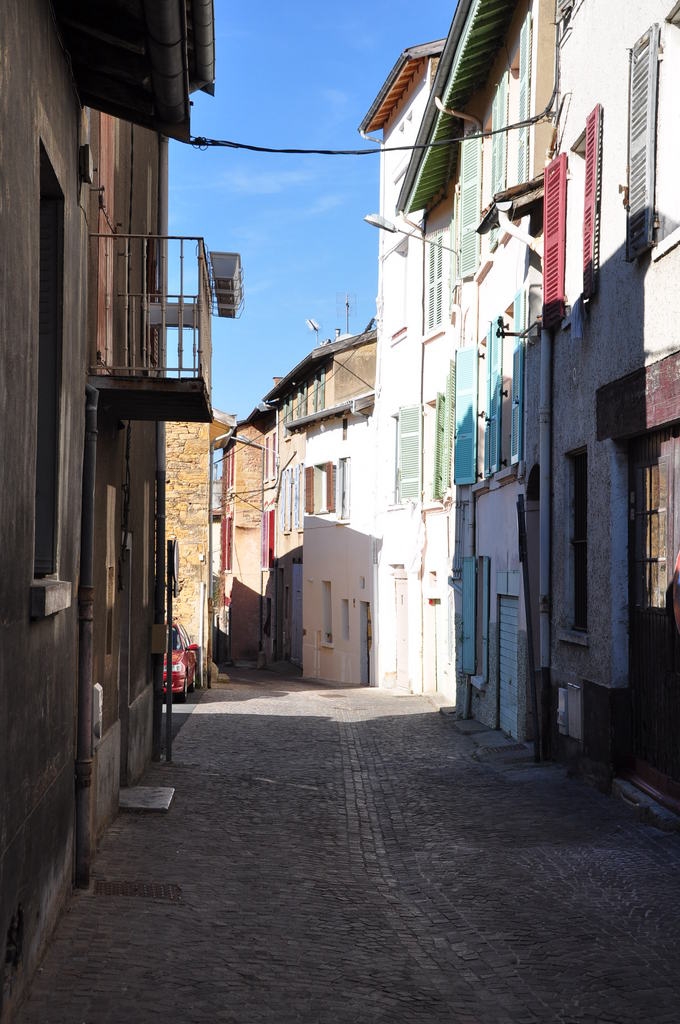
[654,466]
[507,682]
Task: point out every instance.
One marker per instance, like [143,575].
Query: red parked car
[183,663]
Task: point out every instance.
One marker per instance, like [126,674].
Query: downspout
[544,456]
[86,646]
[159,586]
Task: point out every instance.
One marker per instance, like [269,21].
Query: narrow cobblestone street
[343,855]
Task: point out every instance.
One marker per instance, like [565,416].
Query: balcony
[151,302]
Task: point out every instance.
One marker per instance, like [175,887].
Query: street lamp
[376,220]
[256,444]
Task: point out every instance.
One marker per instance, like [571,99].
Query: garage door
[508,664]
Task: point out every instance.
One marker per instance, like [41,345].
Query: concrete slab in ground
[146,798]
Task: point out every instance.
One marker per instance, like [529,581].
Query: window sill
[665,245]
[573,636]
[328,644]
[49,596]
[478,682]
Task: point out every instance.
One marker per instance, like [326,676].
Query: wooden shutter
[296,497]
[434,280]
[449,425]
[465,442]
[470,184]
[494,401]
[271,537]
[439,446]
[499,144]
[591,211]
[554,239]
[524,112]
[642,142]
[330,486]
[409,453]
[224,533]
[309,490]
[469,638]
[517,414]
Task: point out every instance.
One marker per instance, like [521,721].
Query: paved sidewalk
[345,856]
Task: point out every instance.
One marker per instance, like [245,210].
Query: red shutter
[271,534]
[554,239]
[591,212]
[330,486]
[309,490]
[223,552]
[230,541]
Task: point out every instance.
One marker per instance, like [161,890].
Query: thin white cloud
[265,183]
[325,203]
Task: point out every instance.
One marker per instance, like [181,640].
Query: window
[579,538]
[50,285]
[465,439]
[327,612]
[408,454]
[270,459]
[554,233]
[470,202]
[651,534]
[642,142]
[435,281]
[228,474]
[287,408]
[343,488]
[320,488]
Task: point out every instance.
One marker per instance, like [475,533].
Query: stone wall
[187,497]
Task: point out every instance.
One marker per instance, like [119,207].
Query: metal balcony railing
[153,302]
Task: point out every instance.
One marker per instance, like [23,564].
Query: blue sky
[297,75]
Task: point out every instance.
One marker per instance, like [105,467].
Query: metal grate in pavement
[509,748]
[149,890]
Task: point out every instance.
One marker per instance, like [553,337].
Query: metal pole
[262,556]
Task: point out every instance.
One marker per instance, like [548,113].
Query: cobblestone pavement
[342,855]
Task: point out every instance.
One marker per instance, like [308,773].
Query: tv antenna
[345,302]
[315,326]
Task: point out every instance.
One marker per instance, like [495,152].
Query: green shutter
[434,280]
[409,453]
[499,145]
[524,99]
[517,423]
[485,574]
[449,425]
[438,486]
[470,186]
[469,644]
[465,443]
[494,401]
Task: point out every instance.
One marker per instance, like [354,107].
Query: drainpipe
[86,647]
[545,437]
[159,586]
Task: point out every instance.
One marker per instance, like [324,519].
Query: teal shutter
[434,281]
[485,574]
[449,425]
[439,445]
[469,644]
[465,443]
[524,99]
[642,142]
[517,422]
[470,187]
[494,402]
[499,145]
[409,453]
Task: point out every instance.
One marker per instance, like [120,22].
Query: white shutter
[642,142]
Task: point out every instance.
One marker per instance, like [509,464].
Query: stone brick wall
[187,497]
